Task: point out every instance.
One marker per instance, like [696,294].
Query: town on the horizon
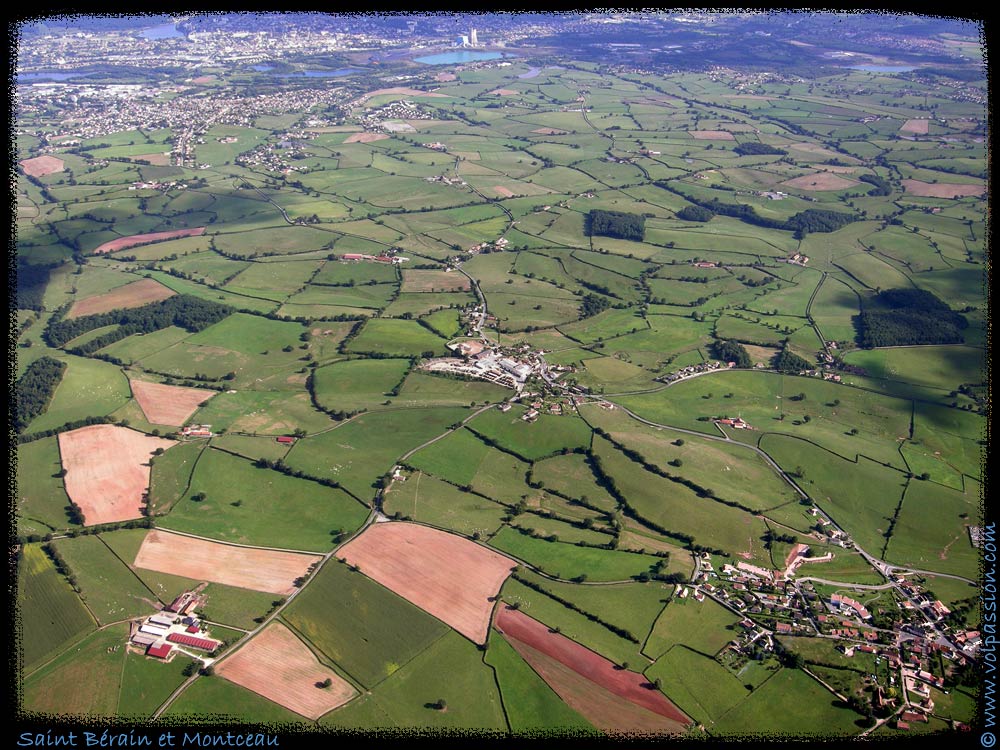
[606,373]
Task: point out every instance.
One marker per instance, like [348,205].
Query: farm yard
[553,389]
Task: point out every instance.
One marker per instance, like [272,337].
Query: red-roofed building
[783,627]
[902,725]
[189,640]
[192,628]
[286,440]
[160,652]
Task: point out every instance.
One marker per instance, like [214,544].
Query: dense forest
[618,224]
[31,282]
[787,361]
[903,317]
[187,312]
[730,351]
[694,213]
[34,389]
[593,304]
[752,148]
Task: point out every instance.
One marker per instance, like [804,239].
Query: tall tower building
[473,39]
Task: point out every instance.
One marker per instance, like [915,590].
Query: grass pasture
[366,629]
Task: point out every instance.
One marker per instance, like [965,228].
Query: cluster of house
[496,245]
[437,146]
[173,629]
[386,257]
[795,258]
[446,180]
[478,361]
[687,372]
[197,431]
[736,423]
[155,185]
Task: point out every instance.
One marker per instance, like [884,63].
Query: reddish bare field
[446,575]
[519,628]
[918,127]
[504,92]
[158,160]
[608,712]
[397,90]
[365,137]
[712,135]
[442,77]
[245,567]
[139,239]
[503,191]
[42,165]
[941,189]
[106,470]
[820,181]
[203,79]
[549,131]
[748,96]
[136,294]
[168,404]
[277,665]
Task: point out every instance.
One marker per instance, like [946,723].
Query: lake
[50,76]
[461,56]
[883,68]
[163,31]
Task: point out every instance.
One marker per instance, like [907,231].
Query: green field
[567,561]
[41,497]
[424,498]
[47,607]
[367,630]
[790,702]
[281,511]
[112,591]
[529,703]
[84,680]
[699,685]
[357,453]
[700,626]
[403,338]
[532,441]
[89,388]
[452,670]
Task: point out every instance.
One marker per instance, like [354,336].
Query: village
[910,641]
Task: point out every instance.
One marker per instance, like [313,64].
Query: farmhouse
[189,640]
[285,440]
[161,651]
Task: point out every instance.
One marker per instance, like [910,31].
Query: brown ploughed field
[942,189]
[820,181]
[42,165]
[272,571]
[168,404]
[141,239]
[277,665]
[136,294]
[107,470]
[446,575]
[519,628]
[712,135]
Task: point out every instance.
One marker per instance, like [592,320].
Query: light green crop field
[49,609]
